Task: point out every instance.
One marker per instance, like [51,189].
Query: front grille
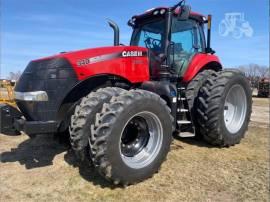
[55,76]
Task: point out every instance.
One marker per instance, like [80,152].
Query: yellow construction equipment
[7,91]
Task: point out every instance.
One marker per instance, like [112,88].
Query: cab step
[184,122]
[182,98]
[186,134]
[182,110]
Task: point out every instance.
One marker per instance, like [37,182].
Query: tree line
[255,73]
[14,75]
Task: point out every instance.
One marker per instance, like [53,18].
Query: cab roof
[150,13]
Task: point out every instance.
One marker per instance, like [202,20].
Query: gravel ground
[42,169]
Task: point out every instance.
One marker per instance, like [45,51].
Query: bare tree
[254,72]
[14,75]
[263,71]
[244,70]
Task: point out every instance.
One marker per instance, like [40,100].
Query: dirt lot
[44,170]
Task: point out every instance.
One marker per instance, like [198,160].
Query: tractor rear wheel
[131,137]
[224,108]
[84,116]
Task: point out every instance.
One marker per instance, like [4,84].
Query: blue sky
[31,29]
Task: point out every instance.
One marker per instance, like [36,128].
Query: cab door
[187,41]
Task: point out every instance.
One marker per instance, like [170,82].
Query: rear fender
[199,62]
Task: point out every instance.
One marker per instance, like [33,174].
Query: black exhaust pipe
[115,28]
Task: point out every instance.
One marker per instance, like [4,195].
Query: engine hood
[104,60]
[92,52]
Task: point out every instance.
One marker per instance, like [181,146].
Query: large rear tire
[192,92]
[131,137]
[84,116]
[224,108]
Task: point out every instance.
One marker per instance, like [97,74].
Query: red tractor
[264,87]
[121,104]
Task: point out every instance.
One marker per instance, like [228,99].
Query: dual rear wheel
[224,108]
[220,106]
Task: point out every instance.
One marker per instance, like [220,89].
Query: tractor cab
[171,35]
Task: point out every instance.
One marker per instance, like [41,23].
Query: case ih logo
[132,53]
[101,58]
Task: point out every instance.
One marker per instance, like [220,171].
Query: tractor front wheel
[131,137]
[84,116]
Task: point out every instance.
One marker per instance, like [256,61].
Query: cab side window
[187,41]
[183,41]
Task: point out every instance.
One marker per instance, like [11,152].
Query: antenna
[182,2]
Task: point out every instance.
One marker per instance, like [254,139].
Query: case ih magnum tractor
[122,104]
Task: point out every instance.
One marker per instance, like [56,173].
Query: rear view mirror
[184,12]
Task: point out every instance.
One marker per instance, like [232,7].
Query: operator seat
[180,59]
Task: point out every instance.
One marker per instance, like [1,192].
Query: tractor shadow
[87,171]
[35,152]
[196,141]
[41,150]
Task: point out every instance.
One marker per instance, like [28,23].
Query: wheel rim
[235,108]
[141,140]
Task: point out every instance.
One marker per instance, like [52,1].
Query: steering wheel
[156,44]
[151,43]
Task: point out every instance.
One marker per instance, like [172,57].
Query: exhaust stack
[115,28]
[209,25]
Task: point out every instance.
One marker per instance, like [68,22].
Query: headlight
[155,12]
[31,96]
[162,11]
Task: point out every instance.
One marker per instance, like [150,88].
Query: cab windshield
[150,35]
